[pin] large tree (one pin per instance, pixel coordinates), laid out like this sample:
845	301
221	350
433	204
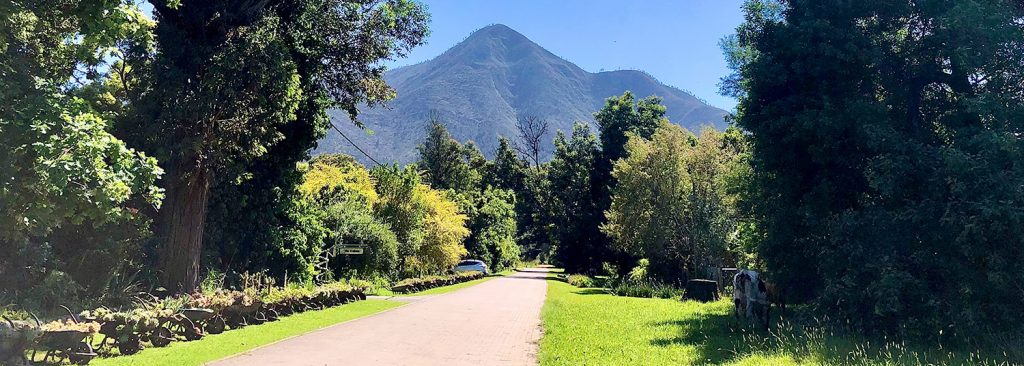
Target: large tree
445	162
511	172
70	192
532	133
887	149
572	188
624	115
228	78
492	225
669	204
620	117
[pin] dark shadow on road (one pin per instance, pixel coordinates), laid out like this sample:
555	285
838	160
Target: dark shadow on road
534	270
523	278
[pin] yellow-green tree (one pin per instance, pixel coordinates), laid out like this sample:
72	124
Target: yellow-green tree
344	196
444	229
325	179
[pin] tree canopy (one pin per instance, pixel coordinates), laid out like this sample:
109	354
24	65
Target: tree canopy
886	149
65	177
669	203
580	244
228	80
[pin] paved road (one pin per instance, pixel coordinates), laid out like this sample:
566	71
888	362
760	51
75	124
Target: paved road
494	323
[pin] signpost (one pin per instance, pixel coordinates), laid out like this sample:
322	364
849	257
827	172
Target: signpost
349	250
323	265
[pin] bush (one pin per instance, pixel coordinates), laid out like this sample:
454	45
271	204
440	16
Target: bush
579	280
158	322
354	223
417	284
645	288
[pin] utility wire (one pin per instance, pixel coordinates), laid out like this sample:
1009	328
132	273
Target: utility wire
353	143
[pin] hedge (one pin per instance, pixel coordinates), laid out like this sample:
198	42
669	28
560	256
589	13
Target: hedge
425	283
159	322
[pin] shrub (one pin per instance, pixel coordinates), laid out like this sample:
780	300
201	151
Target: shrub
353	222
639	272
425	283
579	280
645	288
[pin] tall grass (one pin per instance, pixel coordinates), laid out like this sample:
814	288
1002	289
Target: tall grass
822	342
645	288
631	286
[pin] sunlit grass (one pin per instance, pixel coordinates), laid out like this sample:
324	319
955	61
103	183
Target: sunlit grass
591	327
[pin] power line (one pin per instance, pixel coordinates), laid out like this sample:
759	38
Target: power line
353	143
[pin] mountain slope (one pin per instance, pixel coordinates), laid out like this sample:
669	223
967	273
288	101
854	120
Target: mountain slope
481	85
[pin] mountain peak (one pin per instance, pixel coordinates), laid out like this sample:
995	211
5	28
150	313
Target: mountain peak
497	36
493	45
498	31
482	85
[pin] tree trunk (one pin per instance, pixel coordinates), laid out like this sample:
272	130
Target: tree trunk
184	219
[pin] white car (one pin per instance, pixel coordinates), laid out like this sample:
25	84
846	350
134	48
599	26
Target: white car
471	265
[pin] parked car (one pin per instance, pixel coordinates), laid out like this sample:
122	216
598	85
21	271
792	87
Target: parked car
471	265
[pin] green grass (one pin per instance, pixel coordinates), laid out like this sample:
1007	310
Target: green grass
591	327
215	347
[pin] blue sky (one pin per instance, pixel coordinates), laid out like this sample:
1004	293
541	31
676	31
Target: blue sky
675	41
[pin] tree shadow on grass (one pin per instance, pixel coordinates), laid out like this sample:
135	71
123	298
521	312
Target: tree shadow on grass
591	291
716	338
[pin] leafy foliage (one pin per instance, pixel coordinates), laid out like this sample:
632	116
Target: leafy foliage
445	161
352	223
511	172
71	191
492	228
427	223
444	231
886	156
575	213
229	82
623	116
470	179
578	280
581	181
670	205
399	209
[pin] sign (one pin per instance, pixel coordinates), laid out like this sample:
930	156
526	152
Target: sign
350	251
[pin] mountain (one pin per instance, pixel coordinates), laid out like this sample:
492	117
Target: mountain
481	85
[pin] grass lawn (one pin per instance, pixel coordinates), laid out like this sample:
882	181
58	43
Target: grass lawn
215	347
590	327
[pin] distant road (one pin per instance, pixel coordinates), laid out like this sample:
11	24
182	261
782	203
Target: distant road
494	323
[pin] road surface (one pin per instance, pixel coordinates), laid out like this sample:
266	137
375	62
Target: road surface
494	323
